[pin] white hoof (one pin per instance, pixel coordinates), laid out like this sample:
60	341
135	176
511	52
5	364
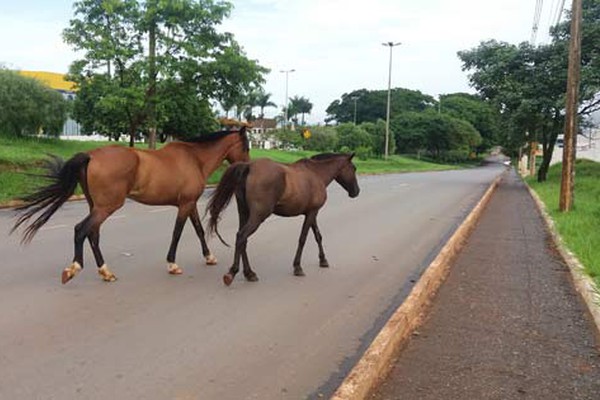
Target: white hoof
174	269
211	260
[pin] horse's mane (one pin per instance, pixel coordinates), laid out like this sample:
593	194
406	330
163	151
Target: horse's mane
210	137
326	156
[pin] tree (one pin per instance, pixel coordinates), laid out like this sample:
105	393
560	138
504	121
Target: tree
299	105
481	114
371	105
27	107
263	101
527	84
377	132
353	137
442	136
130	48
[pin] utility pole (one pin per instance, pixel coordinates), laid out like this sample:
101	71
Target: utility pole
287	74
354	98
387	119
567	183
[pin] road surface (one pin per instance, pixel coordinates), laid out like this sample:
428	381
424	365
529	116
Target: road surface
155	336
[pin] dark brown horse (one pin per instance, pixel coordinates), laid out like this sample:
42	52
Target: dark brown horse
264	187
174	175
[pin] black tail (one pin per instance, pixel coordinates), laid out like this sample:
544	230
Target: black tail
48	199
233	179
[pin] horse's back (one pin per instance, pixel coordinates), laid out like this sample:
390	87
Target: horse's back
289	189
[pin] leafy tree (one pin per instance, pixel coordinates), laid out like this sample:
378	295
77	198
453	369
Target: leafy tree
322	139
482	115
27	107
441	135
371	105
352	137
377	132
130	48
527	84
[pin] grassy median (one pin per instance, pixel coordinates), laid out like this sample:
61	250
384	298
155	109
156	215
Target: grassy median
578	228
20	157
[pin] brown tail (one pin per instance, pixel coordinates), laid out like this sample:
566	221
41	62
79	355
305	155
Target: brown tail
233	179
64	177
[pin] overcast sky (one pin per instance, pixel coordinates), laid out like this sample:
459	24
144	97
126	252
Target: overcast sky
333	45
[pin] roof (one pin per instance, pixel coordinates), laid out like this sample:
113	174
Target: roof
266	123
52	79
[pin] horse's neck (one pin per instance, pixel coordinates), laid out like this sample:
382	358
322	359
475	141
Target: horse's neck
210	155
327	170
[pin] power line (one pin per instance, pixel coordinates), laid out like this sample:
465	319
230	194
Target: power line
560	11
539	4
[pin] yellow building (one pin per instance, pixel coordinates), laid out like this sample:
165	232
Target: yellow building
51	79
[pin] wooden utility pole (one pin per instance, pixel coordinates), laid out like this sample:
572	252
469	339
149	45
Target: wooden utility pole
568	167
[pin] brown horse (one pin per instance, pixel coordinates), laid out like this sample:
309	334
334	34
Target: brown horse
264	187
174	175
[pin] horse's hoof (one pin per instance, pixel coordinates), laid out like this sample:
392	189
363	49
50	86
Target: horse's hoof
324	264
251	278
174	269
211	260
106	275
227	279
299	272
70	272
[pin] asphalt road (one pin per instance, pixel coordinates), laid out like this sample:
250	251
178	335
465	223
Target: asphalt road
155	336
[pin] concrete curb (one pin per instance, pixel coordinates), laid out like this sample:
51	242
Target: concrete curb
17	203
376	362
584	285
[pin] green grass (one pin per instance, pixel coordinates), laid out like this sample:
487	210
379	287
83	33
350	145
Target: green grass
22	156
578	228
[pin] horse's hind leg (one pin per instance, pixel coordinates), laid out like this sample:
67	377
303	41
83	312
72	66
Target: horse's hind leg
308	222
208	256
81	231
88	228
182	216
94	239
248	225
319	238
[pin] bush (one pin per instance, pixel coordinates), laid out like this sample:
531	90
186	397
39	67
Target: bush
27	107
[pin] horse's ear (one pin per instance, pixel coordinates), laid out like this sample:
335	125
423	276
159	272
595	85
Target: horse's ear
351	156
243	130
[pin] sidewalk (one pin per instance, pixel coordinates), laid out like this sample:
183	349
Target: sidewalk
507	323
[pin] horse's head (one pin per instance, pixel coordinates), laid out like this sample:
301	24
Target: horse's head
240	150
346	176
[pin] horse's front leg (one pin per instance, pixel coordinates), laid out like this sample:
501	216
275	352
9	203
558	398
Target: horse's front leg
308	222
208	256
182	215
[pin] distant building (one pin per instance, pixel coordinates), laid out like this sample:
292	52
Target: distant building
259	133
53	80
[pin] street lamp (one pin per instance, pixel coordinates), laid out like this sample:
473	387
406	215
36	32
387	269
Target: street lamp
287	74
354	98
387	120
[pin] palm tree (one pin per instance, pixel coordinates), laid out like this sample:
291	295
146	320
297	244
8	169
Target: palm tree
300	105
263	100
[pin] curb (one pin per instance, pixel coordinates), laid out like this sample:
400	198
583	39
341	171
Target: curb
375	363
584	285
17	203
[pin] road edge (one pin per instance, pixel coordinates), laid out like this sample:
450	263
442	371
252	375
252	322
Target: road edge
583	283
375	363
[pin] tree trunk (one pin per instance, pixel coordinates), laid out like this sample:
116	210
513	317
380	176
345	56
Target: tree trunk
152	88
548	151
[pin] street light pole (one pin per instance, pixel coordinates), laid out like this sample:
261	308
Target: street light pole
387	119
287	73
355	98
